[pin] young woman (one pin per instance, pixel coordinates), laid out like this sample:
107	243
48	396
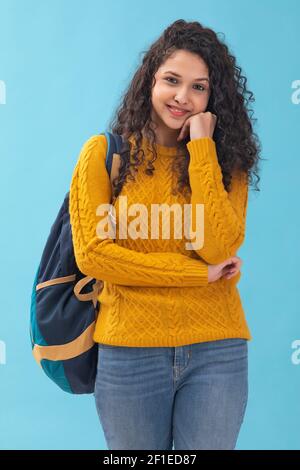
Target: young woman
172	334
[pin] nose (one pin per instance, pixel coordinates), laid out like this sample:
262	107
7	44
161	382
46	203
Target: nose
182	96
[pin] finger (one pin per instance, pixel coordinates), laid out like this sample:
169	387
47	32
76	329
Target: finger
185	128
238	265
238	262
230	274
231	260
180	134
232	265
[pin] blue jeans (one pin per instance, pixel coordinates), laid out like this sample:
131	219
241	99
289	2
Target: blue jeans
193	395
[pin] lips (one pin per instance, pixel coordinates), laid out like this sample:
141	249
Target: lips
174	112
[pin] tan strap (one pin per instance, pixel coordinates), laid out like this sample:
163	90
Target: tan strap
115	167
116	162
57	280
92	295
62	352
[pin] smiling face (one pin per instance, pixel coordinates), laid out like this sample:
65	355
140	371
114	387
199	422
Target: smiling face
184	91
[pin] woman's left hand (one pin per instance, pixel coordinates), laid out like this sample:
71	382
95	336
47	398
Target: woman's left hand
233	269
199	125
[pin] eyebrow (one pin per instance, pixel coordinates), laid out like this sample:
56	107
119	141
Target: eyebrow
196	79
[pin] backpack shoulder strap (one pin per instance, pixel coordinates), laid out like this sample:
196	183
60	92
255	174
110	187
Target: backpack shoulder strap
112	161
114	144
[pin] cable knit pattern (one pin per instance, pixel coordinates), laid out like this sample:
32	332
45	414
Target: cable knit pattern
156	292
224	213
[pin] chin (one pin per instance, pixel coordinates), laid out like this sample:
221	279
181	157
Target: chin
171	124
174	127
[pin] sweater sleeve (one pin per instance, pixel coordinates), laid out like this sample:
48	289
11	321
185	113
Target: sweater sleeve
102	258
224	212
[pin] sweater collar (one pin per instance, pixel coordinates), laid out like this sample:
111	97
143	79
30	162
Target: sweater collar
160	149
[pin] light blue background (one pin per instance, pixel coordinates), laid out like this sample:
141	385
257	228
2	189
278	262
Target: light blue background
65	64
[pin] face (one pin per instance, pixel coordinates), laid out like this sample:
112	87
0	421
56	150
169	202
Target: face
184	91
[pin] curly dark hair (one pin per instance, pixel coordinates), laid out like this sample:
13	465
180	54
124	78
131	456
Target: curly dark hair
237	145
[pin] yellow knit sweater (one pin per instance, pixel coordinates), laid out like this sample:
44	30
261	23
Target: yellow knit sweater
156	291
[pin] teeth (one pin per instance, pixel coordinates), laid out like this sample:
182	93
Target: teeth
178	110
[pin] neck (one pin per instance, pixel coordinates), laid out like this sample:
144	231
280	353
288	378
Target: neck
165	139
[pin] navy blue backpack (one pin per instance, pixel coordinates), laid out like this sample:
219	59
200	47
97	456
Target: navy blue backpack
64	305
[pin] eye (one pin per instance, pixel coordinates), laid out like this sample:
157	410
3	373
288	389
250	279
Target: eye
171	78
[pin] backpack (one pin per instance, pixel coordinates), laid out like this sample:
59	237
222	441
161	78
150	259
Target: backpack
64	305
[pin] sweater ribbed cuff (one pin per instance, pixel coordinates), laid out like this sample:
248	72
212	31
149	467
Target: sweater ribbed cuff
197	274
200	148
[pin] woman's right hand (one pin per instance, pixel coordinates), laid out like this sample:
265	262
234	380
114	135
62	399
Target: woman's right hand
228	269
